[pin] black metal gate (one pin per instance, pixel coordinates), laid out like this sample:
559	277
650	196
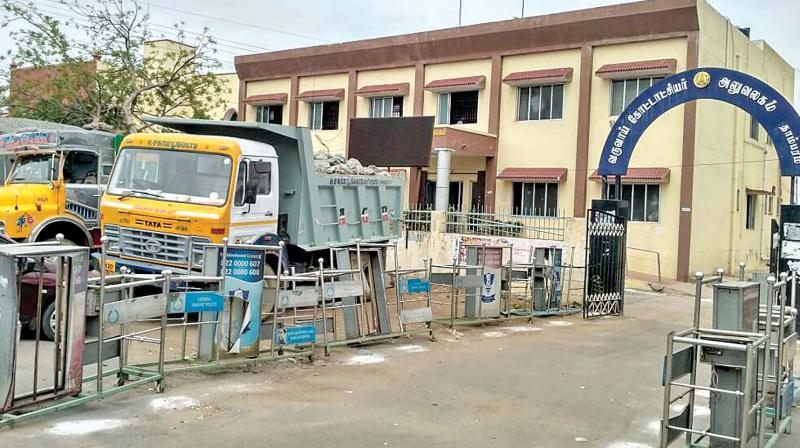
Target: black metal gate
604	284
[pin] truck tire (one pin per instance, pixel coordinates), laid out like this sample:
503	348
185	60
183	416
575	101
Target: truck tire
48	322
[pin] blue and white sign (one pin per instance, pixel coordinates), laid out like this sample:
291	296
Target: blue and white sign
243	280
198	301
415	285
765	104
297	335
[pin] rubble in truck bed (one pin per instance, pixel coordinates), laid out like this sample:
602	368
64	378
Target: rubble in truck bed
327	163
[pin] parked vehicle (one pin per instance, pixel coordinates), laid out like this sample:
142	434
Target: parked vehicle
29	274
254	183
55	184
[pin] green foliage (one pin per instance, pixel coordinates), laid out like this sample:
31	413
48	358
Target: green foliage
105	79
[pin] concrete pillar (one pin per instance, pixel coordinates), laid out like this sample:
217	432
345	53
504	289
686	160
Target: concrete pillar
443	156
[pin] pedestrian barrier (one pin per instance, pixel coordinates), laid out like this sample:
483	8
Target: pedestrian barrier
752	379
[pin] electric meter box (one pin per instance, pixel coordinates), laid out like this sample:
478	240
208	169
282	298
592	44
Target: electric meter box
736	306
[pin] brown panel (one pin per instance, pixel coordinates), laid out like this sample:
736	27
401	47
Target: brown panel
242	115
419	88
563	30
582	142
491	183
464	142
352	85
494	94
394	142
414	183
293	87
687	162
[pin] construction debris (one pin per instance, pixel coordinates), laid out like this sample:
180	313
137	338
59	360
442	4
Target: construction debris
327	163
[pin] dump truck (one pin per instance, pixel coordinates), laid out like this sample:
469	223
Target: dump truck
252	183
55	183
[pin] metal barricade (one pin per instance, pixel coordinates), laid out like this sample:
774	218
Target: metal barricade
750	402
457	278
413	299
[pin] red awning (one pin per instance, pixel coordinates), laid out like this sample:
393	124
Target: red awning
266	99
456	84
539	77
534	174
638	176
321	95
638	69
399	89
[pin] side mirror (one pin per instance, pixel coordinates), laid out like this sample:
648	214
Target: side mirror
250	191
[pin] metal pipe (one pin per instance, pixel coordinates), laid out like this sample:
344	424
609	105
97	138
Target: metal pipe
38	327
57	336
705	343
698	293
764	360
779	366
741	271
163	336
321	262
664	439
746	399
277	301
443	156
101	312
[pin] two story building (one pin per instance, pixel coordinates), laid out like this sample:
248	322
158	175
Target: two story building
526	105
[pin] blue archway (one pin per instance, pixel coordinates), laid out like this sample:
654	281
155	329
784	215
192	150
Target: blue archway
752	95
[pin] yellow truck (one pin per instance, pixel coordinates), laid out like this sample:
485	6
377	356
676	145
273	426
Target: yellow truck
253	183
54	184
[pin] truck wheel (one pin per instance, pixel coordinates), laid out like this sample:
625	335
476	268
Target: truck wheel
48	322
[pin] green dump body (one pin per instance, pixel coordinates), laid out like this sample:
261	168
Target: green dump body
315	210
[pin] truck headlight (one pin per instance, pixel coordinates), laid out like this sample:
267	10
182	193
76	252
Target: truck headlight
112	233
197	251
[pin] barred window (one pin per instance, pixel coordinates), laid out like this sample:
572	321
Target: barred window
535	199
643	199
386	107
458	107
540	102
323	115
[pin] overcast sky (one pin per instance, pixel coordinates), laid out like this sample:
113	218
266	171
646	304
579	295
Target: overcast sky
252	26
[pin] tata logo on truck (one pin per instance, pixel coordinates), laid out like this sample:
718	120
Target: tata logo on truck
150	223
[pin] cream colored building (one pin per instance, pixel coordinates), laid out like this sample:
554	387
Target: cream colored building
527	104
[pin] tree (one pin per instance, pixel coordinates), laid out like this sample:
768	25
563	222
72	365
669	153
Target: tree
95	66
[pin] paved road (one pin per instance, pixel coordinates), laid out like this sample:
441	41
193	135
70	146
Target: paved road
557	383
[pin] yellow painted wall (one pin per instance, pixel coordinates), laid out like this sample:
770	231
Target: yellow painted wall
331	140
458	70
539	143
386	76
230	96
660	146
265	87
727	160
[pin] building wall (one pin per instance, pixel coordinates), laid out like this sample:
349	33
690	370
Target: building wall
728	161
386	76
660	146
264	87
539	143
725	162
333	140
459	70
230	96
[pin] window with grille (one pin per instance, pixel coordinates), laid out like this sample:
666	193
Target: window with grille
270	114
623	91
458	107
323	115
535	199
643	200
540	102
386	107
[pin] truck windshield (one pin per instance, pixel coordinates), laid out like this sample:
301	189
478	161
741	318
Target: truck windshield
167	175
38	169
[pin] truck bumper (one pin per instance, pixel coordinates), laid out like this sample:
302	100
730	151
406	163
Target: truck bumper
138	267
